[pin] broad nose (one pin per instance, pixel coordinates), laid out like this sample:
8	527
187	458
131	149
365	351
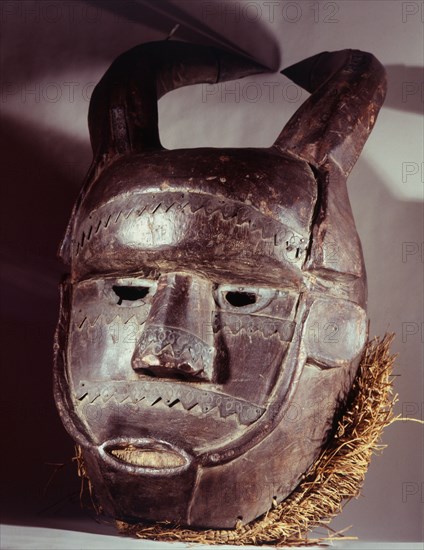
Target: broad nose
177	340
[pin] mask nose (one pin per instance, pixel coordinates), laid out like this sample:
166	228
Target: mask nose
177	340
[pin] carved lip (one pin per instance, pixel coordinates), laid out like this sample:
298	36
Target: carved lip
144	456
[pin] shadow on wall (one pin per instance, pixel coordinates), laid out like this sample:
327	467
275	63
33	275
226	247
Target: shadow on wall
100	31
35	206
195	20
385	223
405	88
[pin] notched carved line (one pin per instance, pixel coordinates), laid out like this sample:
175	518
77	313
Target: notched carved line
101	318
138	212
155	209
225	406
258	332
82	323
212	207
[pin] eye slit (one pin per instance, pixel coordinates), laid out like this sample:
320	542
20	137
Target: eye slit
130	293
240	299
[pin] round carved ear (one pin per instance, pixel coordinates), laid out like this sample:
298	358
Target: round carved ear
123	115
348	88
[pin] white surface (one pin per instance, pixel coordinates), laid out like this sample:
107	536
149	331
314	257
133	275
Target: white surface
38	538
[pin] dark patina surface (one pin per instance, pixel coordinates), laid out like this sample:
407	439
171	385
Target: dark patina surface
214	314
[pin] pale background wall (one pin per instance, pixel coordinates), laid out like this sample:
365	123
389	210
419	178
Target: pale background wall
52	52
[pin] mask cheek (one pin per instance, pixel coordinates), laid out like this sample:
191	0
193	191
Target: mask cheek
253	357
101	348
335	333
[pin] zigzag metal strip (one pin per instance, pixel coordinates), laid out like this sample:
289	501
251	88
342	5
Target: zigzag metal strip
147	394
112	213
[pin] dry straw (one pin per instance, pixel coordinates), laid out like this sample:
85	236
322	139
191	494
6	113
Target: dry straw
335	477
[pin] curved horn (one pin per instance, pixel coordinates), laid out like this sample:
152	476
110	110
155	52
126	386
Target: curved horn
348	88
123	115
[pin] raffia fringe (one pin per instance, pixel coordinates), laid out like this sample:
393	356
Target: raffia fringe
335	477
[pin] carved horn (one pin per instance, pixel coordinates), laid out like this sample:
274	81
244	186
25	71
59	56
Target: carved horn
348	89
123	115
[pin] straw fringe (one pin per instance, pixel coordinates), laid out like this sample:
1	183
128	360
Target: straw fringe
335	477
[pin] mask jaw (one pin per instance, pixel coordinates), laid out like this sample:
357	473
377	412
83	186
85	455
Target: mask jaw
252	481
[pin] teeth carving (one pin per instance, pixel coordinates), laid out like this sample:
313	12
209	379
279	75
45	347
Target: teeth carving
160	460
150	394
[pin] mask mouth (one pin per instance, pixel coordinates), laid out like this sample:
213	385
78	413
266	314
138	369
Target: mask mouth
147	458
144	456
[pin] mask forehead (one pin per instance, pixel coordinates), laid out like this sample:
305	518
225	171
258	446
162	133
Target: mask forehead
233	211
172	231
280	186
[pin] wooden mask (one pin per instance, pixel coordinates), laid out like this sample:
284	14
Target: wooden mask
214	315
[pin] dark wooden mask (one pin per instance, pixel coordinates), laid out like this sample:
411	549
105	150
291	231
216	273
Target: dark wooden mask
214	315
